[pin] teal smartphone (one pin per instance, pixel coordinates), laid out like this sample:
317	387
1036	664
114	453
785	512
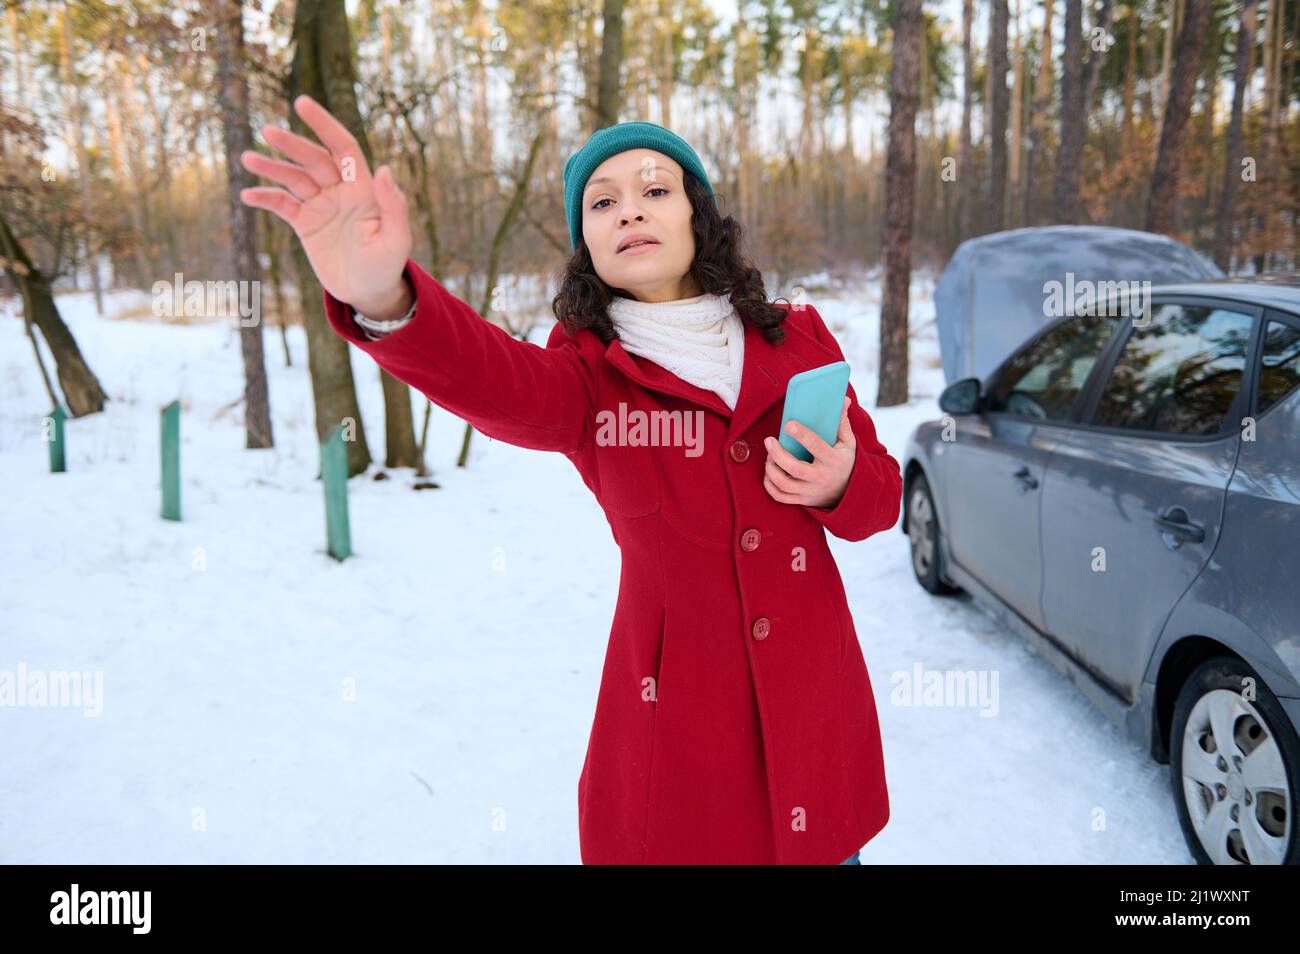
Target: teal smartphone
815	398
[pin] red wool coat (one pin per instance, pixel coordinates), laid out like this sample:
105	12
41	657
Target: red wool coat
735	722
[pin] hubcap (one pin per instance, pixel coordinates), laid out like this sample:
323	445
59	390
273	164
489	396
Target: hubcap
920	530
1234	782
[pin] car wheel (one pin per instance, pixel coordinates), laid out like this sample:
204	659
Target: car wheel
923	532
1233	763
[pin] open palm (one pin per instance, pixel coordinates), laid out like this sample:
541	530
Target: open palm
354	227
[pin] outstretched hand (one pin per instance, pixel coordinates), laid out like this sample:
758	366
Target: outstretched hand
820	482
354	227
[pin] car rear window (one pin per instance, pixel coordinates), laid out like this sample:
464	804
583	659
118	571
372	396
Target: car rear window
1279	372
1179	373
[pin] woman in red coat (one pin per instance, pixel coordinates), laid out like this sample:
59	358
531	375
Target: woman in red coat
735	722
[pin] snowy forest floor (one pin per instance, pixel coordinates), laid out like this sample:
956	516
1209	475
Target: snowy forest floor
430	699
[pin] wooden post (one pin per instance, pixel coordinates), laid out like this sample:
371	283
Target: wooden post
334	475
171	461
58	449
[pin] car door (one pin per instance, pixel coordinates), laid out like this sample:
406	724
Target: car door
1133	509
1259	546
996	464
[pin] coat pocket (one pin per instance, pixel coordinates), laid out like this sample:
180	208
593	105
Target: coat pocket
629	479
846	633
835	598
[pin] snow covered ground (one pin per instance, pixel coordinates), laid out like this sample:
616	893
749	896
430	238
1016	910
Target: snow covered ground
429	699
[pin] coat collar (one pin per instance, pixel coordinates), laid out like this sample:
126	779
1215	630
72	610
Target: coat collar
766	369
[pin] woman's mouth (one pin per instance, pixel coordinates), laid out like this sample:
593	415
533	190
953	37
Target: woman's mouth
637	248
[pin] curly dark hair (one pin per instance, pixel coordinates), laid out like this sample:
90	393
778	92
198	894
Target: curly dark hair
720	268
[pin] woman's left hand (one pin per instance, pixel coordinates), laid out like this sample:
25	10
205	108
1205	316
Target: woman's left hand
817	483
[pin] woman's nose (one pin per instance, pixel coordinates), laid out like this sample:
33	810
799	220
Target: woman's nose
639	217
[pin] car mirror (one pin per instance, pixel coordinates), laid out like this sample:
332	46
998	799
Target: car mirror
961	397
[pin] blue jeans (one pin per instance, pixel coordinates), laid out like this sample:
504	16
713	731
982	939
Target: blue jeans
852	859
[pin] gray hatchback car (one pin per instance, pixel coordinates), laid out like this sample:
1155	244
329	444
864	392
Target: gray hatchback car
1125	493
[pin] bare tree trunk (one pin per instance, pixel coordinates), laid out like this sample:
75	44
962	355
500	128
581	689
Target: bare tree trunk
1204	220
30	329
419	161
1130	74
1095	55
231	70
322	69
1069	205
900	189
666	64
1271	11
485	191
608	94
81	389
639	71
1166	59
1271	158
1150	99
128	175
743	83
821	175
270	239
995	215
386	38
1017	100
806	70
162	162
987	104
848	180
1288	81
504	228
77	137
1044	84
135	158
20	68
966	200
1164	181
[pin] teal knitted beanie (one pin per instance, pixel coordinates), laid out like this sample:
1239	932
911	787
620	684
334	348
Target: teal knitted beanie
609	142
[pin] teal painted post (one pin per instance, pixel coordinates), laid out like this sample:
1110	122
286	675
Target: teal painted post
171	461
58	449
334	475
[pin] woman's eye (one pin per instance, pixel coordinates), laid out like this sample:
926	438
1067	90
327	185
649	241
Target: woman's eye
596	205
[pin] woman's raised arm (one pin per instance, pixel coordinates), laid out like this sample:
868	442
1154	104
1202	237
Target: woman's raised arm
355	231
511	390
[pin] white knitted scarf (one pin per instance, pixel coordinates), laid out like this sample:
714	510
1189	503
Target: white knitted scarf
700	339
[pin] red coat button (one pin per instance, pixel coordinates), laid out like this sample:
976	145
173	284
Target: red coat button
750	539
761	627
740	452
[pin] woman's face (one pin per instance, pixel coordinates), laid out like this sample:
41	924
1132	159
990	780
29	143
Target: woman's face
640	192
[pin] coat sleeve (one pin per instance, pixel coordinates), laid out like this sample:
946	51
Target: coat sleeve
511	390
875	489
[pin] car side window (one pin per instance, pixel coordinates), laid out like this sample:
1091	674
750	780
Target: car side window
1279	372
1043	380
1179	372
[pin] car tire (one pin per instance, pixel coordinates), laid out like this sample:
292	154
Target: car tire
924	535
1215	796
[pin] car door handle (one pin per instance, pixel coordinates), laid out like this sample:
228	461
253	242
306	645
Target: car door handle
1027	480
1175	521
